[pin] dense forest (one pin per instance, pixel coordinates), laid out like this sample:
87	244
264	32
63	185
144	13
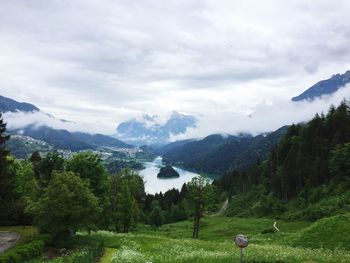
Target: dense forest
306	175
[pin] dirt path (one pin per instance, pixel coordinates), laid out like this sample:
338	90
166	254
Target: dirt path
222	209
8	240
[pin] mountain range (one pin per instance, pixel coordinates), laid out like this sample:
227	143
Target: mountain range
149	130
197	154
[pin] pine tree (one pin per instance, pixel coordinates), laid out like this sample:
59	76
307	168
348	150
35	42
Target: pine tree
3	151
7	182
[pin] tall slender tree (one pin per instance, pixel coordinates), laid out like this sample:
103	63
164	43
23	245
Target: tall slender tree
7	182
3	151
201	193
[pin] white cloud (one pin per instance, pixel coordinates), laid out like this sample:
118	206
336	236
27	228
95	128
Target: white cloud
264	117
18	120
101	62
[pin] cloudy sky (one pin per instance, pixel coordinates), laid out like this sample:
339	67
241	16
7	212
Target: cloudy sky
102	62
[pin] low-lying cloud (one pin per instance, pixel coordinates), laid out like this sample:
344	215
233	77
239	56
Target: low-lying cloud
18	120
265	117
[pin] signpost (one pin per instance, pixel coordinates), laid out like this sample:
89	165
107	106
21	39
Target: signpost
241	241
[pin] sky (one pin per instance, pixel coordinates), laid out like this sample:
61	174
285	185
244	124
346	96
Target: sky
98	63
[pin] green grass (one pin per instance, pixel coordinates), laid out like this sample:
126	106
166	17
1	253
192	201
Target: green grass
223	229
108	255
332	233
142	248
27	233
172	243
327	240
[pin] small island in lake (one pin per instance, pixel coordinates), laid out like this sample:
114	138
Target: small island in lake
168	172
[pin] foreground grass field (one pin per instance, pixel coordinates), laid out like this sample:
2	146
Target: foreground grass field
327	240
324	241
141	248
223	229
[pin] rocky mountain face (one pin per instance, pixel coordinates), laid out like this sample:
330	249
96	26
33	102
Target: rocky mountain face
149	130
325	87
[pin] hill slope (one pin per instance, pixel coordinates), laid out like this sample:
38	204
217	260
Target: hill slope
59	138
171	243
101	140
216	154
7	104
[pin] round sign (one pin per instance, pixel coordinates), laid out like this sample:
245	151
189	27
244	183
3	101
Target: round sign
241	241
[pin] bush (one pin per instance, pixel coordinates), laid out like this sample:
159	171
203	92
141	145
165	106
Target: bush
268	231
86	255
23	253
46	238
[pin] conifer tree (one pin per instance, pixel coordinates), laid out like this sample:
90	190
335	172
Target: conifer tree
7	182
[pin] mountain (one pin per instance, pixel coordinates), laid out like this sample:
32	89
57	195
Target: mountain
149	130
101	140
73	141
216	154
57	138
325	87
22	146
171	146
7	104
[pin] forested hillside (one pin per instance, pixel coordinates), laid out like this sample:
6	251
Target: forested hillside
305	176
217	154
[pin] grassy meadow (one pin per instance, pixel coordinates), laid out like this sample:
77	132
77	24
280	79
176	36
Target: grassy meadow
326	240
172	243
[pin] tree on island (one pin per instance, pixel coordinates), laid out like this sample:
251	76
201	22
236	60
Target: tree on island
168	172
200	193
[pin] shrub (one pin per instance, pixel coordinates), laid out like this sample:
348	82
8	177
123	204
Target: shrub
23	253
86	255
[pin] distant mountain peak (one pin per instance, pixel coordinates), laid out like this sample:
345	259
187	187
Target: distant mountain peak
324	87
149	129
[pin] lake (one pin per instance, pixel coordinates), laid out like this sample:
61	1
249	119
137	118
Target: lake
155	185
